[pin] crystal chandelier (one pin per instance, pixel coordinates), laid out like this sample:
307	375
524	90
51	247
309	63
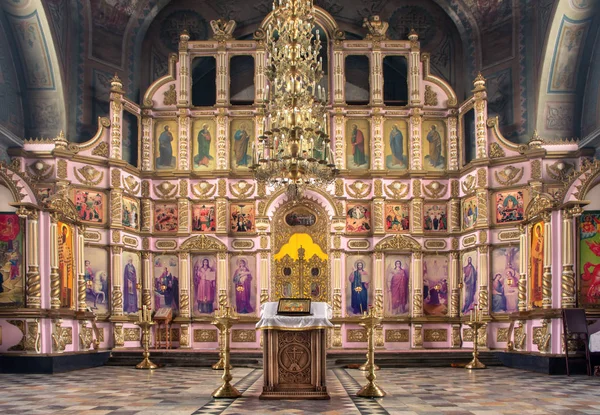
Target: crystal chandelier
294	150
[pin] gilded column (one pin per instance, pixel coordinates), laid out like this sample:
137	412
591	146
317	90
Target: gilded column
146	208
415	139
117	281
376	75
184	139
33	290
336	279
547	275
183	205
523	255
480	95
454	206
221	206
414	62
184	70
264	276
417	283
147	151
260	79
455	341
378	147
482	199
116	199
147	279
222	144
453	141
119	335
378	216
116	117
416	210
222	277
184	284
568	298
54	277
379	283
338	74
222	75
483	279
81	305
340	142
455	281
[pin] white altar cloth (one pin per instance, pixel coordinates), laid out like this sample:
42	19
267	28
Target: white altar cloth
594	330
269	320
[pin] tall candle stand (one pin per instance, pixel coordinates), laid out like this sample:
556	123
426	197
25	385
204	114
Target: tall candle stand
367	365
226	390
371	390
475	323
220	364
145	323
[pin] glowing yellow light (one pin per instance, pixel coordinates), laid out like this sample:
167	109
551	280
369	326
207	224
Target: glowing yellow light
294	243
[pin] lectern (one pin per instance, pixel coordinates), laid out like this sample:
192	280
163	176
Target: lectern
294	353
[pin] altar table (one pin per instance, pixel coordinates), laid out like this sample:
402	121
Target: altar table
294	353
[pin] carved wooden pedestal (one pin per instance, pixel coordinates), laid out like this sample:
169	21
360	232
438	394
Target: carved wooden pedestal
294	364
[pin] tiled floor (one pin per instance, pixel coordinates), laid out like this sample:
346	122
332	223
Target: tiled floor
171	390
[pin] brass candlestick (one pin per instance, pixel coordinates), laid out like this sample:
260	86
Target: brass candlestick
220	364
145	323
475	324
367	365
370	321
226	390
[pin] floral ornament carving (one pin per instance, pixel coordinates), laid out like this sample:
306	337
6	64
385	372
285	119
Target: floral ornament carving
241	189
61	169
468	185
509	175
481	177
115	178
358	189
417	188
376	27
88	175
398	243
339	187
560	170
101	150
131	185
202	243
183	188
60	204
165	190
222	29
431	98
536	170
539	204
203	190
40	171
145	188
435	190
496	151
170	96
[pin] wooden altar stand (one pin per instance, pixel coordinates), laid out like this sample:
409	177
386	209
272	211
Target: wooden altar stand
294	353
163	317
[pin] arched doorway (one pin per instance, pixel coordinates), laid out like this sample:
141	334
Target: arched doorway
300	264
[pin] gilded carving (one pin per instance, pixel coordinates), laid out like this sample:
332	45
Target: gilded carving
482	237
378	188
202	243
337	336
243	335
116	236
356	335
166	190
88	175
131	185
510	235
242	244
184	338
222	189
538	205
264	242
455	340
397	190
170	96
204	190
496	151
454	188
242	189
520	336
468	185
397	336
398	243
115	178
358	189
92	236
205	336
418	336
467	335
502	335
101	150
61	169
166	244
128	240
435	335
60	336
536	170
358	244
469	240
509	175
481	177
417	187
430	96
435	244
560	170
454	244
145	188
118	335
434	190
40	171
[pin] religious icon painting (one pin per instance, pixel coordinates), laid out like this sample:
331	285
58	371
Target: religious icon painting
44	192
132	282
397	217
395	133
589	259
131	213
359	290
433	145
435	217
358	141
469	278
396	295
358	218
436	291
242	217
505	279
469	210
165	284
91	205
166	147
242	290
536	264
242	143
12	264
204	217
509	206
165	217
97	279
204	281
66	264
204	150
